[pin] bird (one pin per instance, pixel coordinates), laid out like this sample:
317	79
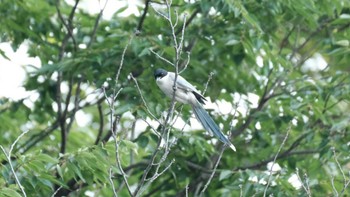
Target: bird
186	93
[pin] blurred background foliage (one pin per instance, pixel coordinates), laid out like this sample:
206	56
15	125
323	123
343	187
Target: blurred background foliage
281	68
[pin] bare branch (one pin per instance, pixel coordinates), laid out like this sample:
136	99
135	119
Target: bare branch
193	15
142	19
160	57
97	21
68	25
8	157
111	181
56	191
284	154
165	126
275	158
143	99
346	181
101	123
213	173
186	190
305	186
119	165
209	79
114	122
76	105
338	164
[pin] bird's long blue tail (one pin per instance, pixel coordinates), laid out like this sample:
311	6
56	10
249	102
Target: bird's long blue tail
209	124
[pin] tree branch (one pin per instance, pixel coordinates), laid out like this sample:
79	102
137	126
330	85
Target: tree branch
8	157
97	21
143	17
101	123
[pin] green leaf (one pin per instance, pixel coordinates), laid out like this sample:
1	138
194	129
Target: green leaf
143	141
9	192
129	144
225	174
76	170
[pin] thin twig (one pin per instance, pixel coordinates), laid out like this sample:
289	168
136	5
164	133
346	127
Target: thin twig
209	79
186	63
119	165
8	157
275	158
123	55
142	19
97	21
76	104
157	174
111	181
143	99
346	181
165	126
114	123
305	187
69	25
189	20
338	164
160	57
56	191
186	190
101	123
240	190
153	129
213	173
346	184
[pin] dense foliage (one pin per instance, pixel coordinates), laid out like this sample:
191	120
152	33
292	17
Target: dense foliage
278	71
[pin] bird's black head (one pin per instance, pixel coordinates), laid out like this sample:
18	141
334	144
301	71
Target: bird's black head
160	73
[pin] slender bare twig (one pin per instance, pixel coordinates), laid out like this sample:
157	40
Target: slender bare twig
113	131
158	12
68	25
111	101
76	104
305	186
346	181
213	173
186	190
189	20
119	165
157	174
165	126
333	186
338	164
209	79
286	153
186	63
8	157
153	129
241	190
143	99
142	19
101	123
56	191
161	57
146	171
346	184
97	21
110	177
275	158
222	149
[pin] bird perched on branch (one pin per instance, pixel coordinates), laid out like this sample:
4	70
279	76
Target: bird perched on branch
188	94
